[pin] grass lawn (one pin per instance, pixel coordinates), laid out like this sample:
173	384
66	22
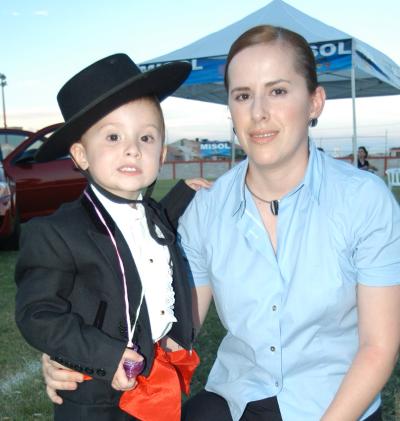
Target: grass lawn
22	394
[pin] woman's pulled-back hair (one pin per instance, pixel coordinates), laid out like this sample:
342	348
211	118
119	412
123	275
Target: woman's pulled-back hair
265	34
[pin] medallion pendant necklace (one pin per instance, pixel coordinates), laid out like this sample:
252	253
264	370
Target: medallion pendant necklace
273	204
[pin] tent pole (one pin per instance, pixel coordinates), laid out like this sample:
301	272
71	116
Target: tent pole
353	99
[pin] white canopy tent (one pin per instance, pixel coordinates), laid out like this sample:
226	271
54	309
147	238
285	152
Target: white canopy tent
347	67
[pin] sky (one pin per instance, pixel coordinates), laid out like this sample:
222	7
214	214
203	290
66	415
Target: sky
45	42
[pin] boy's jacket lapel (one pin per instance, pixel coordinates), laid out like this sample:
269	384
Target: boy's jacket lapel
102	241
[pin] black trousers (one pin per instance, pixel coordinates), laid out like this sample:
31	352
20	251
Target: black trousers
208	406
69	411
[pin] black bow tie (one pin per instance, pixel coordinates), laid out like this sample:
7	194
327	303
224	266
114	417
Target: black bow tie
155	213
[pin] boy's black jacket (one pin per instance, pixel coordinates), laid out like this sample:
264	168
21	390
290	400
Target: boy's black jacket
70	300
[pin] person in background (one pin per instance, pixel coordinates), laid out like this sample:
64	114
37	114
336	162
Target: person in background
362	162
102	287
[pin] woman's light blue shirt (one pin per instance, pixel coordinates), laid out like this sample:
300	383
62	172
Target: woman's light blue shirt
291	317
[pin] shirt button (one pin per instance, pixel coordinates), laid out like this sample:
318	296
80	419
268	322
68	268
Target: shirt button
274	308
272	348
151	260
162	312
276	384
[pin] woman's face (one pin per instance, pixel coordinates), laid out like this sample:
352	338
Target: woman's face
361	153
270	105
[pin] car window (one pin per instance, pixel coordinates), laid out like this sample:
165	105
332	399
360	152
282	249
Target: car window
9	141
33	147
45	138
28	154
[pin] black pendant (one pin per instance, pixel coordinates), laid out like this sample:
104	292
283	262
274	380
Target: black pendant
275	207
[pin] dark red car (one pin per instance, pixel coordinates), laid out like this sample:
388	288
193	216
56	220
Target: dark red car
36	189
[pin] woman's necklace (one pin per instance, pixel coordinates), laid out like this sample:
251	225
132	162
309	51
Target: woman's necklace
273	204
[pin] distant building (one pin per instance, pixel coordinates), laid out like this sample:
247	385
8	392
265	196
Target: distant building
395	151
183	150
202	149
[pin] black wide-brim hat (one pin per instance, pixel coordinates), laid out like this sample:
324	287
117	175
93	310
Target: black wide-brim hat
102	87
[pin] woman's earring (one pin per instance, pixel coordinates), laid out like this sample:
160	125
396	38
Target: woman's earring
313	122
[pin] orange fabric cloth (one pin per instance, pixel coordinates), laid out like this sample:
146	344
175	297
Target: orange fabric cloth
160	392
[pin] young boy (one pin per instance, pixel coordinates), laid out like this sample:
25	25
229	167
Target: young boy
101	280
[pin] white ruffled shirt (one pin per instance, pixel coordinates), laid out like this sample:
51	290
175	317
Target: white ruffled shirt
152	260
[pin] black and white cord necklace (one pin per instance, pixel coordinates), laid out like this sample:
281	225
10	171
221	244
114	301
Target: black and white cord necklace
273	204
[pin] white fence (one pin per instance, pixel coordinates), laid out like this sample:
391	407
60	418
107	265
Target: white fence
213	169
339	146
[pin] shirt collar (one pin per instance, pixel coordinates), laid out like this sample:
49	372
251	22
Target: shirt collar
315	171
120	208
239	188
312	180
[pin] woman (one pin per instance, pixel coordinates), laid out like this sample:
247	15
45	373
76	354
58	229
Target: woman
299	251
362	162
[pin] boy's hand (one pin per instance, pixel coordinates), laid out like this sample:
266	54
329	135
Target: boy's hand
56	376
198	183
120	381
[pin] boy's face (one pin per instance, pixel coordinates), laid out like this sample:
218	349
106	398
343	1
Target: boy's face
123	151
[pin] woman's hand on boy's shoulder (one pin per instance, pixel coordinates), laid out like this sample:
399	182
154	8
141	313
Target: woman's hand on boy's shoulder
120	380
198	183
